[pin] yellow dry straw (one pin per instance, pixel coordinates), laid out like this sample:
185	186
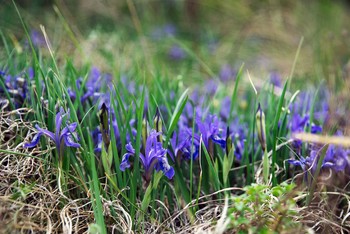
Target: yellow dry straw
319	139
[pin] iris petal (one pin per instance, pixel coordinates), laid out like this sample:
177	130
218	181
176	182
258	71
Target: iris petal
34	141
130	148
46	133
69	141
164	166
125	162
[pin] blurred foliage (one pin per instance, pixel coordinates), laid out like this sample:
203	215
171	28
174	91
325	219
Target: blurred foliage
264	35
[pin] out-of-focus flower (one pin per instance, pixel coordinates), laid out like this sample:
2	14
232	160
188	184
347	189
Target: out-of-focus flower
227	73
210	87
64	137
276	79
177	53
153	158
168	30
336	158
17	86
93	85
37	38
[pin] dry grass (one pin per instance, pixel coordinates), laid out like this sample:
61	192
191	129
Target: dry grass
30	200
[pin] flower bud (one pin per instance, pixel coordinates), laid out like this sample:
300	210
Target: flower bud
144	132
260	125
158	124
104	127
228	141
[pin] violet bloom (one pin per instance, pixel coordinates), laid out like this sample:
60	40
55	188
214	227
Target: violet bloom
298	123
177	53
61	138
237	133
168	30
225	108
37	38
154	157
187	145
210	87
72	94
16	87
336	158
93	85
209	129
177	144
227	73
276	79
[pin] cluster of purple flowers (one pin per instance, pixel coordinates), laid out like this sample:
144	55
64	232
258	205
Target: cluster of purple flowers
207	128
196	126
335	158
16	86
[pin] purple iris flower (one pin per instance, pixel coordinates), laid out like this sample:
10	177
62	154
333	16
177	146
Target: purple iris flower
167	30
299	162
37	38
336	158
238	132
187	144
97	139
154	157
225	108
93	85
17	87
276	79
298	123
227	73
177	53
239	141
210	87
177	144
209	128
129	84
64	137
72	94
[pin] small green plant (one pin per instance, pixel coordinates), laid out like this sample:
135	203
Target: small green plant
261	209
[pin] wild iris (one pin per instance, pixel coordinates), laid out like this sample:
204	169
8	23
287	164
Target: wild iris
154	157
61	138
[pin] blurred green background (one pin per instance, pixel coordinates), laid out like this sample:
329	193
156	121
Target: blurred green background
264	35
